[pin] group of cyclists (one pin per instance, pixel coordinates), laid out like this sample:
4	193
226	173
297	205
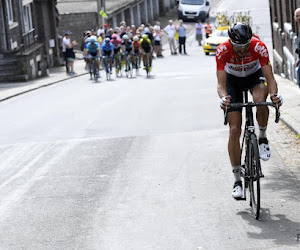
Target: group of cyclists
117	46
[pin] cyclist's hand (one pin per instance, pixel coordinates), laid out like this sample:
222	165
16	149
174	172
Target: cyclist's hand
277	98
225	101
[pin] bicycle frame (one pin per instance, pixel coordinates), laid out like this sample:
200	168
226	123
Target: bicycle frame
251	169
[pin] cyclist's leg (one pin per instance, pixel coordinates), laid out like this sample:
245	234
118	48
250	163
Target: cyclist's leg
110	61
132	59
150	61
98	65
144	58
89	63
260	93
235	123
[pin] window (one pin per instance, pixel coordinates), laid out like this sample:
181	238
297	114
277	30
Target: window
28	25
9	8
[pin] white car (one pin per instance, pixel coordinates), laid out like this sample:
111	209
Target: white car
193	10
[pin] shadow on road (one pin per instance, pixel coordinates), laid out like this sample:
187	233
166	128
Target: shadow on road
276	227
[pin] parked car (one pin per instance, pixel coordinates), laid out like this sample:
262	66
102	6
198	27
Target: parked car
193	10
218	36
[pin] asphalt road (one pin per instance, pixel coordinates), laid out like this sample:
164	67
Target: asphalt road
133	164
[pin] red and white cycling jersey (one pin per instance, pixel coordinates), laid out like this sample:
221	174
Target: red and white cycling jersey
256	56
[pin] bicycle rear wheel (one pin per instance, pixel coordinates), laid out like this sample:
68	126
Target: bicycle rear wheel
248	20
107	69
127	67
255	172
117	67
95	72
232	20
147	66
137	65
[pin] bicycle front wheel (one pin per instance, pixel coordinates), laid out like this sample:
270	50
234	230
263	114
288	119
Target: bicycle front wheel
255	171
127	67
137	65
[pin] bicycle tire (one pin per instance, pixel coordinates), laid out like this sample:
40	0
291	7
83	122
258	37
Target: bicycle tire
239	19
254	181
130	68
95	71
117	67
147	66
127	67
248	20
232	20
107	69
137	65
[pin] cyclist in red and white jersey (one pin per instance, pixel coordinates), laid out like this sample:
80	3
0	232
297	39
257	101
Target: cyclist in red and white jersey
241	62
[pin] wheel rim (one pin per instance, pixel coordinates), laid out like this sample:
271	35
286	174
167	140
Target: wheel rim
254	184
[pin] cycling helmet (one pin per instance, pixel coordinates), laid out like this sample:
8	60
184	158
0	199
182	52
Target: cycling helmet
92	40
125	37
107	40
135	38
144	36
240	33
114	36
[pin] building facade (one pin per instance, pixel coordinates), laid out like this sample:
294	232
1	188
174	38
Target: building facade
28	39
131	11
285	32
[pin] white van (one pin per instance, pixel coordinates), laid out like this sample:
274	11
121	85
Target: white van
193	10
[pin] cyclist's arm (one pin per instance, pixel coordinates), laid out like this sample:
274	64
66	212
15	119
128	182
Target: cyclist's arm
268	74
221	75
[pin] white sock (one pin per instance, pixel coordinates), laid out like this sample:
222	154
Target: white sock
236	170
262	132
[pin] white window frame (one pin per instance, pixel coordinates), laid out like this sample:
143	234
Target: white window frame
10	14
28	24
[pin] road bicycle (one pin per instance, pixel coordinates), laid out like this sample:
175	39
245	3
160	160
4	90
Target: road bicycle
247	18
221	19
128	66
118	64
236	17
107	67
251	169
94	72
136	62
147	64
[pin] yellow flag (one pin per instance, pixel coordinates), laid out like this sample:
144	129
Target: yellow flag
103	14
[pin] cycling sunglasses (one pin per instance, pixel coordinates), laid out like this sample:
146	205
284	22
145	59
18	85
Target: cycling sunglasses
239	46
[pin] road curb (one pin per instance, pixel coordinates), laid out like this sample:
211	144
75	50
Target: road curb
39	87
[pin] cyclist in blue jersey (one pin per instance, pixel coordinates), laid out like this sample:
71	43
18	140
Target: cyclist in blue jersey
107	49
93	53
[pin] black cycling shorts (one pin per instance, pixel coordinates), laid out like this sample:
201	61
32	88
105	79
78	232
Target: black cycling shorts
107	52
236	85
156	43
147	50
116	51
94	54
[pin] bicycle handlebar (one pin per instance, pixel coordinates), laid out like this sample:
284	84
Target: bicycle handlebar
252	104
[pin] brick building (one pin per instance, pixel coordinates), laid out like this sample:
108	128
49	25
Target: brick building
284	33
28	39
